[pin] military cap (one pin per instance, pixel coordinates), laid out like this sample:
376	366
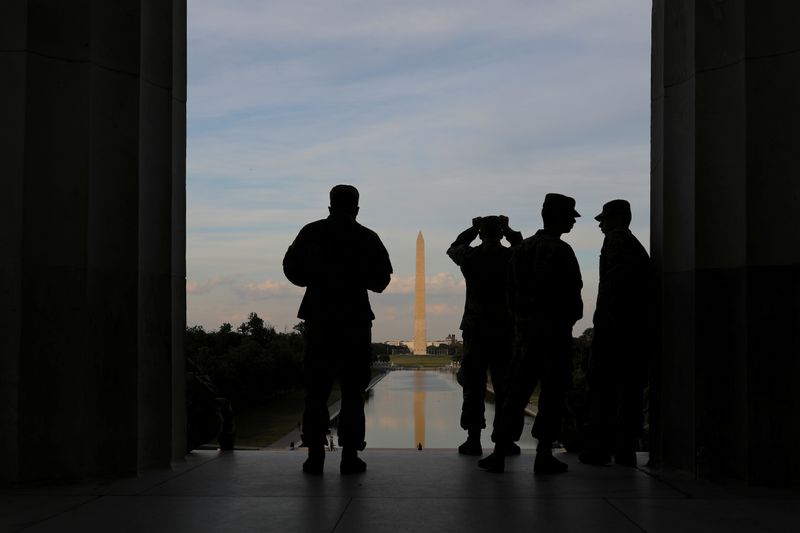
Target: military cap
618	208
558	203
345	196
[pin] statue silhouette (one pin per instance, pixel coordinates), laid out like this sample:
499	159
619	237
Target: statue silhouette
338	260
545	297
618	363
486	323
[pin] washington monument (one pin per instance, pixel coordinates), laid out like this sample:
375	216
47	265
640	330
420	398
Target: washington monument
420	329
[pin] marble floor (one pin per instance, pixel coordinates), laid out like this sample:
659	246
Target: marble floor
402	490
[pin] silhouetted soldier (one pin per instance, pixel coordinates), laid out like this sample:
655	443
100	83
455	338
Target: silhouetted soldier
486	322
337	260
545	296
618	365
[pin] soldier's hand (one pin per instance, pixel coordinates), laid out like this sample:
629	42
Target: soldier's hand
476	222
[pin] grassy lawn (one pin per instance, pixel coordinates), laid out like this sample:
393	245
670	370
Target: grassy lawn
422	361
264	424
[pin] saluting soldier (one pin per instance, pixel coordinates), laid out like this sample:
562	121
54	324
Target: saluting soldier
618	362
338	260
545	296
486	323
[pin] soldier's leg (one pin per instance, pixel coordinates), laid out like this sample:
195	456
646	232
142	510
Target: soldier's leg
499	367
603	395
509	421
319	372
630	420
473	383
354	378
556	362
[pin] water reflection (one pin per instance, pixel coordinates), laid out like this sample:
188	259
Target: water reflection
422	406
419	409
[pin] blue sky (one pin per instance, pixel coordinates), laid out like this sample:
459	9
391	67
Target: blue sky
436	111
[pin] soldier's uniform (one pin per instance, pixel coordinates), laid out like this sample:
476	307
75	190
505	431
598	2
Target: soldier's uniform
545	293
486	323
545	297
618	364
337	260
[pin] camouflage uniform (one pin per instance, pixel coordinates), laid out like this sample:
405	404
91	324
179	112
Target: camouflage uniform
337	260
486	323
617	367
545	296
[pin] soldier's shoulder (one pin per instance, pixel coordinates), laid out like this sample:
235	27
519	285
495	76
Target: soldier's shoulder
367	234
528	242
313	228
321	223
365	230
524	246
621	238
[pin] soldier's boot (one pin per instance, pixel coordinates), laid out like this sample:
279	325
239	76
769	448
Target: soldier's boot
351	463
545	463
510	448
472	446
513	449
495	462
315	463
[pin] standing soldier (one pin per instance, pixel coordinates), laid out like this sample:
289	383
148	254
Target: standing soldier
617	369
545	297
486	323
337	260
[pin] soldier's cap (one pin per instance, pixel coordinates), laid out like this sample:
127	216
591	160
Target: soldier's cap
491	222
615	208
558	203
344	196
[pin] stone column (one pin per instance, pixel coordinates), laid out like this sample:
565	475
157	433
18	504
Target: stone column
725	198
92	276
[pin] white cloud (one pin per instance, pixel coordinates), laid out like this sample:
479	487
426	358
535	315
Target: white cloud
202	287
439	283
268	288
448	310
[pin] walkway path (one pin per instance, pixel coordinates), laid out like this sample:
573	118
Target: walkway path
434	491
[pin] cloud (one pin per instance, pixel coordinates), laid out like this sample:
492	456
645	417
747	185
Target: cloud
203	287
410	22
267	288
445	310
439	283
400	285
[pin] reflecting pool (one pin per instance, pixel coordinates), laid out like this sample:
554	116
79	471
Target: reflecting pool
408	407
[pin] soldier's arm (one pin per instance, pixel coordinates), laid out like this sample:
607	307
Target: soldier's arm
521	281
577	286
298	263
379	272
626	274
512	236
460	247
620	259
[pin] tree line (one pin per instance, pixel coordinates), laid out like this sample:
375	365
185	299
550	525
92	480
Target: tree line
249	364
252	363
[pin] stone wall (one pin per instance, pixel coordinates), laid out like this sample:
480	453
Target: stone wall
92	228
725	216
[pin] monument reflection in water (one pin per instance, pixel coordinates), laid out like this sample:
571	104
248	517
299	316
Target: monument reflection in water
411	407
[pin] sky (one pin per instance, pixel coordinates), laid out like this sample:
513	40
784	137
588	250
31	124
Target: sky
437	111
